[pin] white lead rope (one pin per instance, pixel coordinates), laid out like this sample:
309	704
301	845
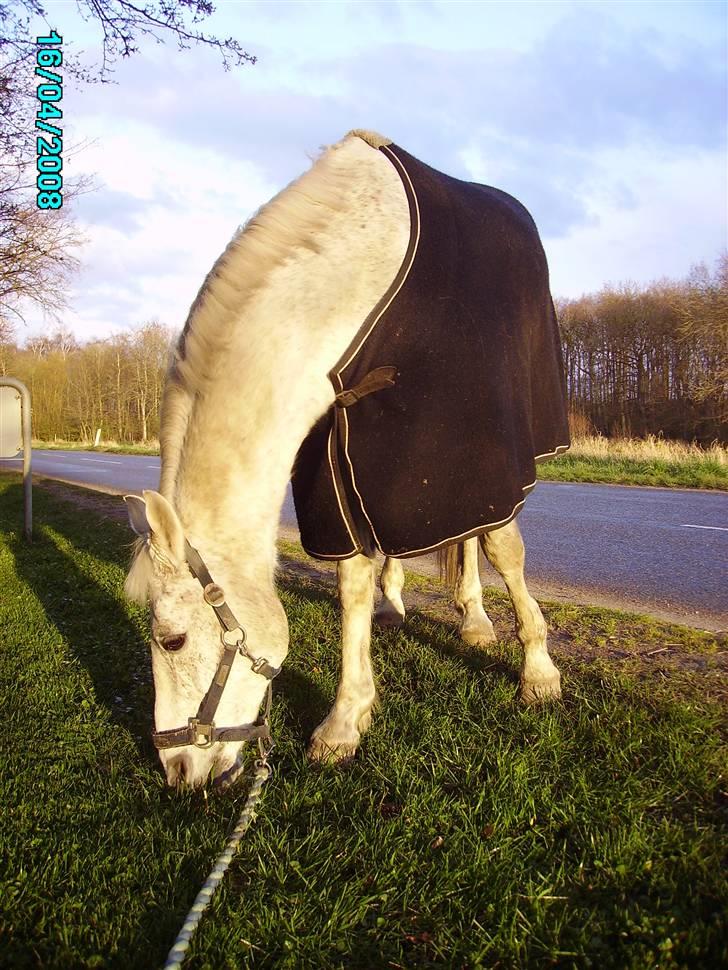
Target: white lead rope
177	954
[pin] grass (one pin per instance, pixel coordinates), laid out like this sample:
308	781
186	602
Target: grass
113	447
469	832
592	458
633	461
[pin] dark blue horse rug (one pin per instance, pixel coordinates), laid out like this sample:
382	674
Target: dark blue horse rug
451	390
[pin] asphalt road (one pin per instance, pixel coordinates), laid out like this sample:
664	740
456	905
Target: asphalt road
654	550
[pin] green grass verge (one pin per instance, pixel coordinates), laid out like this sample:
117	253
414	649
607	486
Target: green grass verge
686	473
468	832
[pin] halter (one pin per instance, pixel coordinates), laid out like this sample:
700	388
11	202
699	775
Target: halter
201	731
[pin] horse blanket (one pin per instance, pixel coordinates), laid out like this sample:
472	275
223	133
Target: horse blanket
451	390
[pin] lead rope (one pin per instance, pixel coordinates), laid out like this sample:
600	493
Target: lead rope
177	954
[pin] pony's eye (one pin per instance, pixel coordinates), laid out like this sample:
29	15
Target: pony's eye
175	642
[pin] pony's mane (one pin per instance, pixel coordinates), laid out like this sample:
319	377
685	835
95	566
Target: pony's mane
285	226
290	224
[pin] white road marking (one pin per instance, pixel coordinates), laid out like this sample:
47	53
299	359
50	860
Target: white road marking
104	461
717	528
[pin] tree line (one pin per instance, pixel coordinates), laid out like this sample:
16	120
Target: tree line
651	359
113	384
638	360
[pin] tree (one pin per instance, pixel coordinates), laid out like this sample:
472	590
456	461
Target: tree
36	251
37	247
150	354
703	314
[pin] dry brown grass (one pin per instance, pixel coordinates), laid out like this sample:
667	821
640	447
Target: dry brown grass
647	449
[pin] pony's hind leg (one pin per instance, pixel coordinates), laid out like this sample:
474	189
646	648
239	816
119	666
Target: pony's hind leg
390	611
540	679
475	626
337	737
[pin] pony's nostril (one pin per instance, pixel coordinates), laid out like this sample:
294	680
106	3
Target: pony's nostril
182	768
179	770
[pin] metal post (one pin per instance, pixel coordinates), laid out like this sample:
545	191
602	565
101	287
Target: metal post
27	451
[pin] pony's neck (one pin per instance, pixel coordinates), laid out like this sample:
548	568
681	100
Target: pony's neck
259	383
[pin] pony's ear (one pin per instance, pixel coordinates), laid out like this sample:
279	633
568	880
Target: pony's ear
154	518
137	512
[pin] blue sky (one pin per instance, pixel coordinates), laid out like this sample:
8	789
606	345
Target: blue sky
607	119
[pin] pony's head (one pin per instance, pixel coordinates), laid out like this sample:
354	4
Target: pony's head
189	642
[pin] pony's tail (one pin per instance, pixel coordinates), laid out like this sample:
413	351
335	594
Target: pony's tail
450	564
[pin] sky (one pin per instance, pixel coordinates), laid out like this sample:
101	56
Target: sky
606	119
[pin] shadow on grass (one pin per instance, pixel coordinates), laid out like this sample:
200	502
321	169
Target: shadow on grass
96	628
437	636
448	645
306	704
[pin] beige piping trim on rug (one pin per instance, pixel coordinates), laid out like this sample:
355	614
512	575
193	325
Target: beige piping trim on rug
354	541
560	449
393	294
355	544
403	174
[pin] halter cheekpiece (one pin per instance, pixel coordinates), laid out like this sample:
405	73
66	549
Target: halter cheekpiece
201	730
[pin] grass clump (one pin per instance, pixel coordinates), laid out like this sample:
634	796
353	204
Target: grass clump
469	832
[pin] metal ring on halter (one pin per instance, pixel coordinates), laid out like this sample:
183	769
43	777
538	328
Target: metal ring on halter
238	633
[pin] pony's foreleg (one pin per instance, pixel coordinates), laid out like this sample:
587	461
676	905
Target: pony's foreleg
540	679
337	737
475	626
390	611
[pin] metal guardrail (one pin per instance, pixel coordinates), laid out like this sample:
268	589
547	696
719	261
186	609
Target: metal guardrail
23	433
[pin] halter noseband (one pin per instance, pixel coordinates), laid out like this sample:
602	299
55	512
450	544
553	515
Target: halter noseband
201	730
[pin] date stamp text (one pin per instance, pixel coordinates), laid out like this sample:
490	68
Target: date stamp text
49	146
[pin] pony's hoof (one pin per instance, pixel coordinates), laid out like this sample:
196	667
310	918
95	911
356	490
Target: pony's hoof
388	617
540	691
478	637
333	753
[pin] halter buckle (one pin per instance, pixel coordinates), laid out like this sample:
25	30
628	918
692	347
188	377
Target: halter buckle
259	665
198	730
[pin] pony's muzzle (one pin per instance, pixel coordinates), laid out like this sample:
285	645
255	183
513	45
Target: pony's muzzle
191	767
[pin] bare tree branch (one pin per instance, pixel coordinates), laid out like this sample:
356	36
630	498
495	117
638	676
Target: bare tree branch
36	247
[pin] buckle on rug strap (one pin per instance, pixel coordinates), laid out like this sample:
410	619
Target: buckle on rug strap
375	380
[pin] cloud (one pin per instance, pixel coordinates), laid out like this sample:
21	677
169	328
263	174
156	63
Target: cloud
668	225
538	116
167	212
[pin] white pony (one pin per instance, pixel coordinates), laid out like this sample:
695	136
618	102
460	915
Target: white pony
247	383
